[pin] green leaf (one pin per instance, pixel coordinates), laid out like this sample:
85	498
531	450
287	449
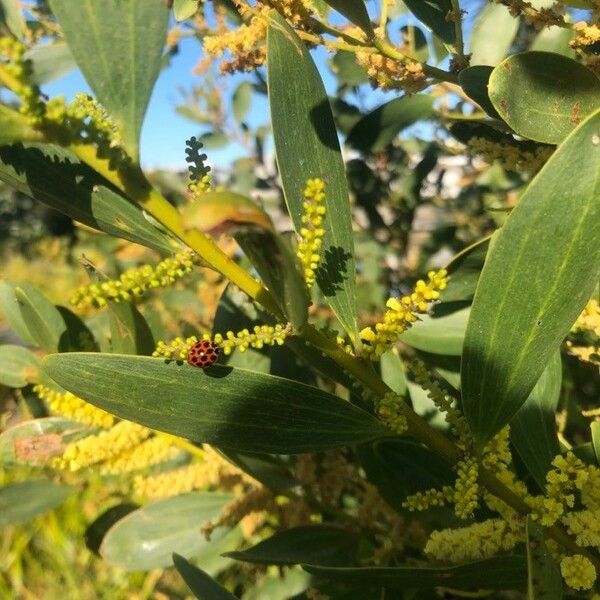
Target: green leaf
214	140
346	69
18	366
299	104
595	432
9	307
184	9
15	128
543	96
533	428
241	101
56	178
543	573
280	271
11	12
392	372
35	442
464	271
118	46
21	502
44	321
129	331
554	39
275	586
223	406
200	583
146	538
441	335
355	11
540	271
499	573
50	62
313	544
474	81
492	35
416	42
378	129
432	13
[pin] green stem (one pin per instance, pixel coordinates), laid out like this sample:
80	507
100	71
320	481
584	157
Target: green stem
458	33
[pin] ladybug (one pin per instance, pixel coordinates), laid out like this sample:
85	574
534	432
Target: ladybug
202	354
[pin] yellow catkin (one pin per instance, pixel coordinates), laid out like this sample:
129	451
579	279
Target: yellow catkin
151	452
135	282
390	410
466	488
512	157
401	314
429	498
312	231
387	73
107	445
70	406
585	35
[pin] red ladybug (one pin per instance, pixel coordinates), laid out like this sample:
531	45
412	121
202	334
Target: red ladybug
202	354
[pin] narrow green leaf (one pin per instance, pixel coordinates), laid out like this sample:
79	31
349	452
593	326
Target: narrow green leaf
464	271
355	11
129	331
595	432
56	178
50	62
99	527
299	104
118	45
492	35
44	321
378	129
433	13
35	442
474	81
15	128
347	71
18	366
227	407
11	12
392	372
499	573
440	335
146	538
313	544
9	307
533	428
200	583
543	96
241	101
544	581
184	9
540	271
214	140
21	502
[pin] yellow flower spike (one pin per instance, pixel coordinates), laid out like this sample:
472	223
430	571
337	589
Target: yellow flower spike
585	526
70	406
136	282
429	498
578	572
95	449
151	452
390	410
466	488
200	180
401	314
312	234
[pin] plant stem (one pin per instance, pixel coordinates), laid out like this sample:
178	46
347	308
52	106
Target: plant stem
458	33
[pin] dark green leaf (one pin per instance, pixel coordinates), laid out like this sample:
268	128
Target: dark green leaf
544	581
541	269
118	45
200	583
35	442
184	9
543	96
129	331
147	537
595	431
492	35
21	502
44	321
18	366
313	544
441	335
464	271
377	130
241	101
433	13
499	573
474	81
300	105
55	177
227	407
50	62
355	11
533	428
